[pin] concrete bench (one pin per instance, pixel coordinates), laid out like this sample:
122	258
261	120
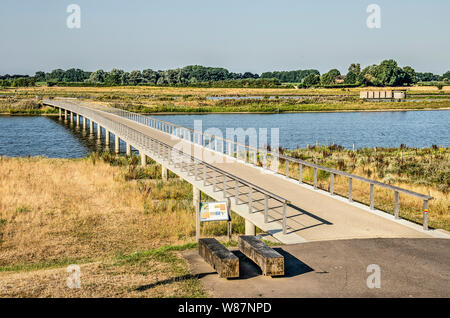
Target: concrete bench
219	257
270	261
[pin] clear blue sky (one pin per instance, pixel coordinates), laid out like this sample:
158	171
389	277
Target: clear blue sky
244	35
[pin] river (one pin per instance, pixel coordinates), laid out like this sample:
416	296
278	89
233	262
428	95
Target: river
35	136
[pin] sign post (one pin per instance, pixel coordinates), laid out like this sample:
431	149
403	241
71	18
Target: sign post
210	212
197	221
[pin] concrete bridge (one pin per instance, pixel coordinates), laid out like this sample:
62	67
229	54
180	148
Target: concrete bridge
280	204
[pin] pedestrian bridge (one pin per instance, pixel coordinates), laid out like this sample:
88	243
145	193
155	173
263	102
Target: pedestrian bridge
280	204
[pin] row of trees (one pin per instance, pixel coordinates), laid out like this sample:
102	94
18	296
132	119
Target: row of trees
289	76
430	77
186	75
14	81
387	73
59	75
180	76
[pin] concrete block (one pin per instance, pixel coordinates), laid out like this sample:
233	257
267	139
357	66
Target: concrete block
270	261
219	257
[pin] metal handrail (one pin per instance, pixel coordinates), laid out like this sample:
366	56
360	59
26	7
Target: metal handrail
144	141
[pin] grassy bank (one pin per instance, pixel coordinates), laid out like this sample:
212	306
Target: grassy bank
425	171
122	225
197	100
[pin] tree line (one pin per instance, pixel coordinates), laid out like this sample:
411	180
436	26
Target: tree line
387	73
17	81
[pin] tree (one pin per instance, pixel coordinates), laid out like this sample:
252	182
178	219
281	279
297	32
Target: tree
135	78
426	77
410	75
353	74
329	77
150	76
98	76
56	75
125	78
311	80
355	68
446	75
289	76
388	73
114	77
40	76
75	75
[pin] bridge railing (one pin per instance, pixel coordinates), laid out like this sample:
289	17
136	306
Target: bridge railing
177	156
261	157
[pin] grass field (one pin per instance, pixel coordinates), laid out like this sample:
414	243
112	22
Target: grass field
423	170
171	99
116	220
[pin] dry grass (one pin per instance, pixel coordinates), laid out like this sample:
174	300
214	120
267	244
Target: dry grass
425	171
57	209
56	212
145	99
150	278
180	91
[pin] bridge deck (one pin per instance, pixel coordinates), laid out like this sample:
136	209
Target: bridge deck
312	215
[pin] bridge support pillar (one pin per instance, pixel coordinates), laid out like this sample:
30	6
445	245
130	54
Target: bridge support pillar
250	228
60	114
99	131
196	196
163	173
91	126
116	144
78	119
143	159
65	115
84	123
128	149
107	138
71	117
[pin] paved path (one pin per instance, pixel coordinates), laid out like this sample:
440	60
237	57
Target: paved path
409	268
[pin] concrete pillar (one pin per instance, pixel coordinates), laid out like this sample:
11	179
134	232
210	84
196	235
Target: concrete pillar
196	196
99	131
107	138
143	158
78	119
116	144
71	117
163	173
65	115
91	126
60	113
84	123
250	228
128	149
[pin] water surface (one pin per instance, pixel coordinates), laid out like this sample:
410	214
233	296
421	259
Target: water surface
35	136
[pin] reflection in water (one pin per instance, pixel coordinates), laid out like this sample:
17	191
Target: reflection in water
22	136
